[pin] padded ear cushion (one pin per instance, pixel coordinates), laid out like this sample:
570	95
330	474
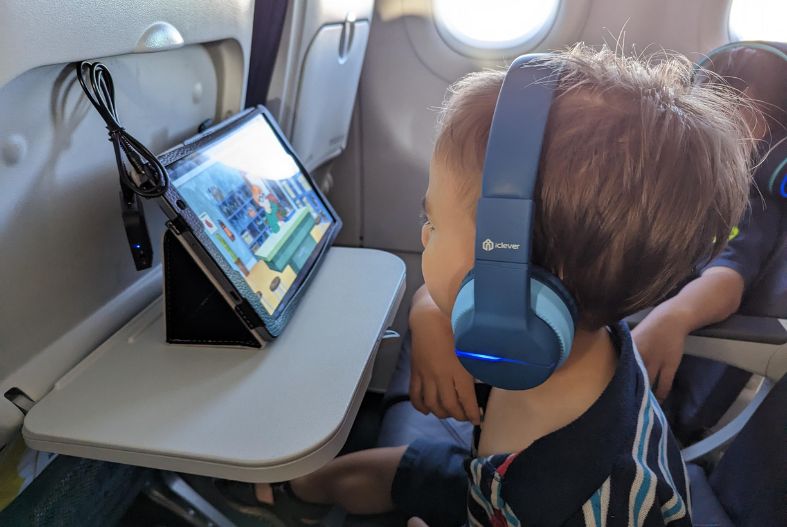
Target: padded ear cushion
470	276
551	302
462	312
554	283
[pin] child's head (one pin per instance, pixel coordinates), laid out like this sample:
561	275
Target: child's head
642	176
760	74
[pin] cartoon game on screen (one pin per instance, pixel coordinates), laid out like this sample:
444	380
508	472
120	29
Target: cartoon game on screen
265	226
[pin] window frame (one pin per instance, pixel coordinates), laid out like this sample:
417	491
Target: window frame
512	48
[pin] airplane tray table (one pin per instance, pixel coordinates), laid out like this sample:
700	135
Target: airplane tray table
238	413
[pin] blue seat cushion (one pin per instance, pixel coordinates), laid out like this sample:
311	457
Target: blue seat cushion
750	480
706	511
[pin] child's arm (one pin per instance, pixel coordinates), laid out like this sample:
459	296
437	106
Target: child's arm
660	337
438	382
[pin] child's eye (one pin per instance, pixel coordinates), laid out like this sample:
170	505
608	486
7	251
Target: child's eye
426	221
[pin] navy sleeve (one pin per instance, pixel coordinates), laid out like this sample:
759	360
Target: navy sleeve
756	237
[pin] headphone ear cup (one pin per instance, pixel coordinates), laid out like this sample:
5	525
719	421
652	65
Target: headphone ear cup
549	299
462	312
552	303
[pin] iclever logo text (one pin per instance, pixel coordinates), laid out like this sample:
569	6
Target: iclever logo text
489	245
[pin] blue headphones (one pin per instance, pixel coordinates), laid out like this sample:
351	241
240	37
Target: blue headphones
513	322
774	169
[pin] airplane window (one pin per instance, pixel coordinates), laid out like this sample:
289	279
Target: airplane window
758	20
493	25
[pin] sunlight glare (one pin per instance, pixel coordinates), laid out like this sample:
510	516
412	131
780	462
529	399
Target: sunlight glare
494	23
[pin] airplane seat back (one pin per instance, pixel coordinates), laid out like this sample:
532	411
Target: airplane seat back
68	280
744	488
314	85
77	492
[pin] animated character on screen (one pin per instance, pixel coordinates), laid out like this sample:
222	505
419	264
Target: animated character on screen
270	205
271	209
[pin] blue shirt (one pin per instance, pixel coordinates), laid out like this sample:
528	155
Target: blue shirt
758	252
616	465
757	249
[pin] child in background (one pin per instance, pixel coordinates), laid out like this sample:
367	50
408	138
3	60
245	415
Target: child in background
749	276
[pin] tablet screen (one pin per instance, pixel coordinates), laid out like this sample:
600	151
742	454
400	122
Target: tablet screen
257	207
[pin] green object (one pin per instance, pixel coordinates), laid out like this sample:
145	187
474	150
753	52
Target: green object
282	248
271	219
219	238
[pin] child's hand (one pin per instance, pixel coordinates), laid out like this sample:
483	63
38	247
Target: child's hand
660	339
438	382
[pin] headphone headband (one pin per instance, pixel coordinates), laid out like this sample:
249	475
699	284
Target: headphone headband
514	146
513	154
754	44
504	215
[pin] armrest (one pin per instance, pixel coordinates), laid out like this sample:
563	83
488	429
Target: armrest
755	344
724	436
763	330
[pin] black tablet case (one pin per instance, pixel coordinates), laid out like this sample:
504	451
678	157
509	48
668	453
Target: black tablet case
195	311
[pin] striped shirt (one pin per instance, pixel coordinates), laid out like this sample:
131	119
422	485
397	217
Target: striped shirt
616	465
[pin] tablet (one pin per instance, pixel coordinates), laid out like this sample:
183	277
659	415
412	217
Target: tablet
247	211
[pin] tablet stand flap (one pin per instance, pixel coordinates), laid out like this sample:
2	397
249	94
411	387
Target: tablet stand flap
196	313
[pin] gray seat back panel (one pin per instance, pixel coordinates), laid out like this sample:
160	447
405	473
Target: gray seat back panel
67	280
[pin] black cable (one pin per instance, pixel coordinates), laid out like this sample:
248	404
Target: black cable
149	178
152	180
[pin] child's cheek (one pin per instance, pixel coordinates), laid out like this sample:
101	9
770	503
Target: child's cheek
429	270
424	235
436	279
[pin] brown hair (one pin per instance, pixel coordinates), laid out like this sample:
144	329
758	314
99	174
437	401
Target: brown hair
642	174
758	72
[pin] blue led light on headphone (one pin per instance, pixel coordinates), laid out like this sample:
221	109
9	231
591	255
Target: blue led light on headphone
513	322
780	172
493	358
